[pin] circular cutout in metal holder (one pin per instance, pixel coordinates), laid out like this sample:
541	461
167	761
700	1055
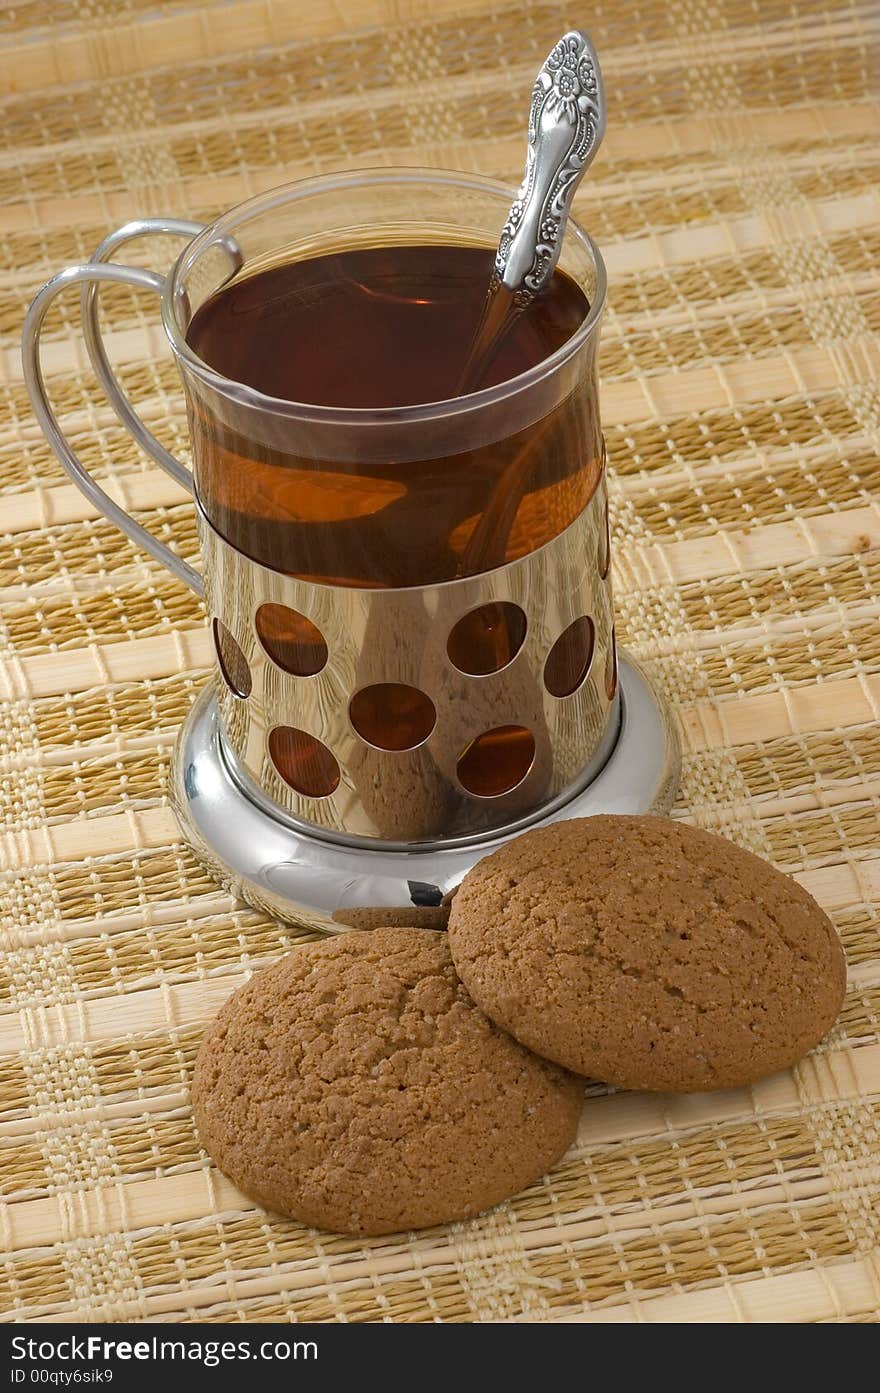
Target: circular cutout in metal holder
304	877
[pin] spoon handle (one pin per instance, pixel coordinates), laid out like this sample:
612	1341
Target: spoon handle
566	125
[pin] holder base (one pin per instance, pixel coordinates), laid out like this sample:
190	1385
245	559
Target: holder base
303	878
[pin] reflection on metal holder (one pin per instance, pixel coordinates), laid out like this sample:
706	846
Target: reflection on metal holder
302	876
413	715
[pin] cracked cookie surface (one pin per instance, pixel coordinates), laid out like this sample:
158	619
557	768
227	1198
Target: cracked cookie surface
647	953
354	1085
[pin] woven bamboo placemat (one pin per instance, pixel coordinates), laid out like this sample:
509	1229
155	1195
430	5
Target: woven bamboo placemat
736	200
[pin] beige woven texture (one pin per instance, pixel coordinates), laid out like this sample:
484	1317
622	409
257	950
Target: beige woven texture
736	201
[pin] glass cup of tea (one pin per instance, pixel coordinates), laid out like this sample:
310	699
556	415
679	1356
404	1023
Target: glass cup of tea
407	582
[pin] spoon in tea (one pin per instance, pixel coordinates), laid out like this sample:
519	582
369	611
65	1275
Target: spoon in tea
566	126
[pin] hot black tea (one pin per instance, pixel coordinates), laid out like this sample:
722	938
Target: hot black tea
369	329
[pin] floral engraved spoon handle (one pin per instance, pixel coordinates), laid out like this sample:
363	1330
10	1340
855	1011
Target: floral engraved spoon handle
566	126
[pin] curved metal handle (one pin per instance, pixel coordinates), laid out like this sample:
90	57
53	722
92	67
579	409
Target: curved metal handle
93	272
566	125
140	227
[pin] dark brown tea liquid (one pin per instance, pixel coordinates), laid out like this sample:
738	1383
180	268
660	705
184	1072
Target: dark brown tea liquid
378	503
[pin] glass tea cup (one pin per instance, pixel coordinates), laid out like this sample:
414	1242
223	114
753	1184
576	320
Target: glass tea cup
410	605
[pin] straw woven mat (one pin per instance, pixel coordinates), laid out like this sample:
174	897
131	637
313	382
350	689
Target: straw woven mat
736	200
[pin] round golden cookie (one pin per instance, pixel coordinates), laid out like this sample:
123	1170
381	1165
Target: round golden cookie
356	1086
647	953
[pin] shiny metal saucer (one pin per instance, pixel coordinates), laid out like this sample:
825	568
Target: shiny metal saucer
305	876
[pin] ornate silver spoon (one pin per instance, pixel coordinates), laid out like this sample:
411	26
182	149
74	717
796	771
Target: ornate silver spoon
566	126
